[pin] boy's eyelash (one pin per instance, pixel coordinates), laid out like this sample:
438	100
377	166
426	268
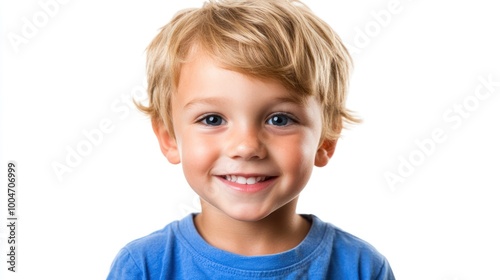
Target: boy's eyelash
286	114
202	117
205	116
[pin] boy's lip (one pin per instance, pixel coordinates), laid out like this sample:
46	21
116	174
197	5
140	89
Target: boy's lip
249	178
248	183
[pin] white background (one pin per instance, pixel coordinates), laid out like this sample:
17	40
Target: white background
85	61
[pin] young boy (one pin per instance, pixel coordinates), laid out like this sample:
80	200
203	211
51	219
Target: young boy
248	95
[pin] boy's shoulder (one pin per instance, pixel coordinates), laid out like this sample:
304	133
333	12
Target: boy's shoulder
141	258
179	252
349	250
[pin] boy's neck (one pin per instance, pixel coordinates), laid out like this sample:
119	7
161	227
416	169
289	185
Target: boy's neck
282	230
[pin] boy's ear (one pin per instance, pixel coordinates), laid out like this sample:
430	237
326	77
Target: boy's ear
168	144
325	152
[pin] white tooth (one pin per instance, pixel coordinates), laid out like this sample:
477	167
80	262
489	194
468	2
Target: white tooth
233	178
251	181
260	179
241	180
227	177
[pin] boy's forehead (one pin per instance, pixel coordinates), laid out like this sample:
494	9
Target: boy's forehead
199	61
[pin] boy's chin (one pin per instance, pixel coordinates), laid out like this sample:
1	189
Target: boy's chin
247	214
249	217
253	211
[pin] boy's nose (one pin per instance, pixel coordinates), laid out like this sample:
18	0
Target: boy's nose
246	144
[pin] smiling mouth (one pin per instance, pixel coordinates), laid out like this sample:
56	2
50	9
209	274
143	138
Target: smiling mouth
246	180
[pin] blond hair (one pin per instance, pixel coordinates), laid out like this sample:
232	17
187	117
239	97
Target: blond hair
278	39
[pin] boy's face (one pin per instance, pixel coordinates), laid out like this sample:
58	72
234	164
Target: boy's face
246	148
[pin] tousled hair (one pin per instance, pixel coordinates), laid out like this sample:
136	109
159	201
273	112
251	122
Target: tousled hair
270	39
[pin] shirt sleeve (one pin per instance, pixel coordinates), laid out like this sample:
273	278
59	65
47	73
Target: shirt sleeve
124	267
385	272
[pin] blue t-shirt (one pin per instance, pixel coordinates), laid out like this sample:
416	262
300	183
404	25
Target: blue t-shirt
179	252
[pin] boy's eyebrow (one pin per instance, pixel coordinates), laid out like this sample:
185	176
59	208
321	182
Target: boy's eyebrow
219	101
205	100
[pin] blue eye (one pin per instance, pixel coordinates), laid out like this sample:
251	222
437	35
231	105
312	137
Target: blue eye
280	120
212	120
